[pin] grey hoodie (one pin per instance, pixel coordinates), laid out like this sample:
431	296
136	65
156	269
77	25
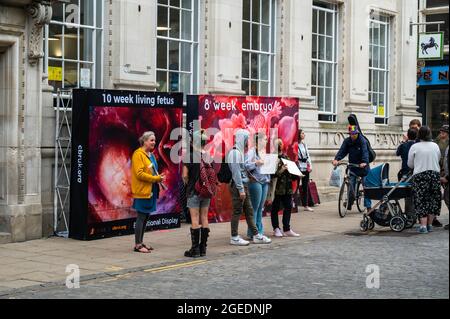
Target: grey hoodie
236	160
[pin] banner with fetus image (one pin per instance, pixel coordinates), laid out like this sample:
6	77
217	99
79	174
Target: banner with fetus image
106	126
274	116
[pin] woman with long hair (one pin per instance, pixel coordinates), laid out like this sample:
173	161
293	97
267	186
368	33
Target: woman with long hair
198	206
305	166
283	196
259	183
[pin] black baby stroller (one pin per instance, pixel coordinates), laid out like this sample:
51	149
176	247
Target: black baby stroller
387	211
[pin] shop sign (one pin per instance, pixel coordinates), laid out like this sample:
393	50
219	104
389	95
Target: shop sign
432	75
430	46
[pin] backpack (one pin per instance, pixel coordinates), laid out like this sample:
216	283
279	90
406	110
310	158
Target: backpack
206	185
353	120
372	154
224	175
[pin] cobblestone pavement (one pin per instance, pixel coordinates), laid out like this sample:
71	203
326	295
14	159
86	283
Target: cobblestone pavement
410	266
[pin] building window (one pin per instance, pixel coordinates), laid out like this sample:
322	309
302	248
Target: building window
258	47
436	110
324	59
73	44
177	46
437	3
379	68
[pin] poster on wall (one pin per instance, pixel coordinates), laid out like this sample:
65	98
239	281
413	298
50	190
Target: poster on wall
223	115
431	46
106	126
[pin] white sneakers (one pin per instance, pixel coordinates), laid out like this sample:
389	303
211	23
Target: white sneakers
258	239
238	241
277	233
308	209
261	239
291	233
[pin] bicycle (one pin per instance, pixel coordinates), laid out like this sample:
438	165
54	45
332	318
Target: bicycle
347	192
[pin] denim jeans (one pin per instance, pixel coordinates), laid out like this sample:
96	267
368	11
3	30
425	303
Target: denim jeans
367	201
241	206
258	194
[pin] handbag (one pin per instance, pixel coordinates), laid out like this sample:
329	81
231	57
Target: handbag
312	189
336	178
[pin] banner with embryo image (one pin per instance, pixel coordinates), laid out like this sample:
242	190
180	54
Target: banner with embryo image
223	115
106	126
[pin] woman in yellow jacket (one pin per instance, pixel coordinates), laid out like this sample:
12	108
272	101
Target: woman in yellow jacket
144	186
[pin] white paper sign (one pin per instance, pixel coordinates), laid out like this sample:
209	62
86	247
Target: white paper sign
292	167
85	78
270	164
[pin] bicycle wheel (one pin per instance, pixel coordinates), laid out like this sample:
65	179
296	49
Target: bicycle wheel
360	198
343	199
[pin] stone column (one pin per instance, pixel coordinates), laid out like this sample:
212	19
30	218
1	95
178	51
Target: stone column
133	44
356	70
20	174
294	20
221	51
406	104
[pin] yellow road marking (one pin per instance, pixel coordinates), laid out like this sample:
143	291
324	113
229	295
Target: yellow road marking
113	268
159	269
108	280
182	265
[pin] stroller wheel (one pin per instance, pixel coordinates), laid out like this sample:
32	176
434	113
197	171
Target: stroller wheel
364	224
410	221
371	224
397	223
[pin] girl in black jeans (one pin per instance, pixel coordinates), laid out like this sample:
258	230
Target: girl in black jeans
283	196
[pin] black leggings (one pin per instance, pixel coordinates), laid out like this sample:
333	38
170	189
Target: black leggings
141	223
306	196
286	201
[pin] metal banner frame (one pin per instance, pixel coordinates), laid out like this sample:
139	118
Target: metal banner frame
63	146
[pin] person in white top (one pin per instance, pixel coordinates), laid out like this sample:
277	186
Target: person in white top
305	166
424	158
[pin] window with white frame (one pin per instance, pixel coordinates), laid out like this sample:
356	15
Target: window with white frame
73	44
258	47
177	46
324	59
379	68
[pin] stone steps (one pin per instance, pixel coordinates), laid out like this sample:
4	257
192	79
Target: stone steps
5	238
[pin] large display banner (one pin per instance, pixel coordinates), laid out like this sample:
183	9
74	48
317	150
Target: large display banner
106	126
274	115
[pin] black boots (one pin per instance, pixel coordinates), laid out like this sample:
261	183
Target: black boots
195	249
198	245
203	241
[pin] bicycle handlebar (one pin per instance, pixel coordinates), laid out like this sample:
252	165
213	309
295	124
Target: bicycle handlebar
347	164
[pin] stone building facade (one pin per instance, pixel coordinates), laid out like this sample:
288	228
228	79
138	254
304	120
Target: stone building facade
338	57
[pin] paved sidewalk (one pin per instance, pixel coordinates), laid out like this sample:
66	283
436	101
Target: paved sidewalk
43	262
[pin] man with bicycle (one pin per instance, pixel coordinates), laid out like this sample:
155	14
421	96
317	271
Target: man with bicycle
355	147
